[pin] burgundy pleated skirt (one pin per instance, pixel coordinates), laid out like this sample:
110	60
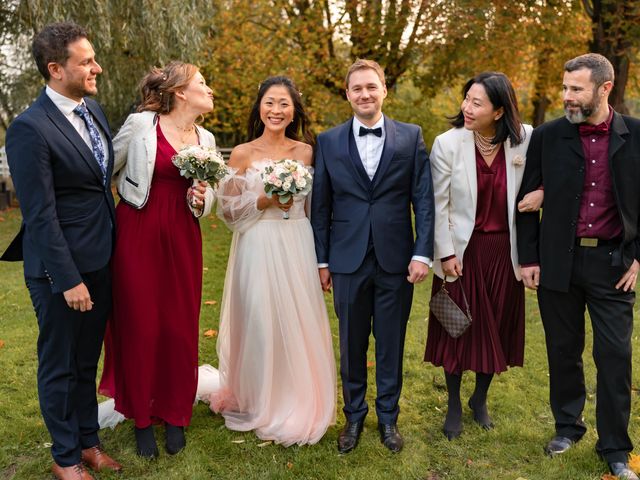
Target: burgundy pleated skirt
495	339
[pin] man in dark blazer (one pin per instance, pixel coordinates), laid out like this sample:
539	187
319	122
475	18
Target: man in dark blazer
60	157
369	173
584	252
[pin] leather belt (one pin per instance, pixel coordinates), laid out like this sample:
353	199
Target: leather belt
596	242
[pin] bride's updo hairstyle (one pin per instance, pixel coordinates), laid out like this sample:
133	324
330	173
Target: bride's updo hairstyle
159	86
300	122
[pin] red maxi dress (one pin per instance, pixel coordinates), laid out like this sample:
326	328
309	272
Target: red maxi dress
495	339
151	345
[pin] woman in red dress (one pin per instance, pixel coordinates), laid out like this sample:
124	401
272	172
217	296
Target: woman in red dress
477	169
151	359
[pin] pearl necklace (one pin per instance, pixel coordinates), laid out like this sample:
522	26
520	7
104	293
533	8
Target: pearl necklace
484	144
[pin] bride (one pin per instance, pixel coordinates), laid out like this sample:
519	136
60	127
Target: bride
276	362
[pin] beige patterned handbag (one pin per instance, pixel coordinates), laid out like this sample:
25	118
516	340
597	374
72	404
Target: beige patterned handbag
452	318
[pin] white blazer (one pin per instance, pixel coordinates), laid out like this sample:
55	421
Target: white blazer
455	187
134	149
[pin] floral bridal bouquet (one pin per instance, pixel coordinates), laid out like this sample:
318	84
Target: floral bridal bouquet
201	163
286	178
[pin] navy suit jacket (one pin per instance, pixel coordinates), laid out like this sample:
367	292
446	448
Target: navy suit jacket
348	209
68	214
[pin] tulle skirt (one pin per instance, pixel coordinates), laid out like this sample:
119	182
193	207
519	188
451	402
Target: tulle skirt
277	369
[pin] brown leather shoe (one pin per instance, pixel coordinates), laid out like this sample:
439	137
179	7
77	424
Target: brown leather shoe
74	472
97	460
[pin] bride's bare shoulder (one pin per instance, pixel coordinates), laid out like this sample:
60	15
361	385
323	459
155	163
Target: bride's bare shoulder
241	156
304	153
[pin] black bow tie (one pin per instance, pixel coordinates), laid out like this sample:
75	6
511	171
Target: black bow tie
374	131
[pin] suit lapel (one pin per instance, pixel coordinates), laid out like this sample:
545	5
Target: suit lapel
65	127
618	129
469	158
570	133
388	151
345	137
509	154
150	140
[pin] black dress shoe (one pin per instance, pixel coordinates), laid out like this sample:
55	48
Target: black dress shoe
558	445
146	442
622	471
175	439
390	437
349	436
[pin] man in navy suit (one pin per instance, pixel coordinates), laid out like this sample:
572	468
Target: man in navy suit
60	156
369	173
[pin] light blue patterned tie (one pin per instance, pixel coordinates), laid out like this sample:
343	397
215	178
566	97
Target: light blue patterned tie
96	141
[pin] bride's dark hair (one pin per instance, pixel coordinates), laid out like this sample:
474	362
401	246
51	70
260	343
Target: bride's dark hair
300	122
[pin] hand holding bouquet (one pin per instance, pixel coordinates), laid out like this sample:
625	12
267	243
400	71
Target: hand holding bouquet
286	178
201	163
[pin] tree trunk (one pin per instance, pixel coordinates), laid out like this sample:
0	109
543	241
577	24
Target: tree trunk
613	25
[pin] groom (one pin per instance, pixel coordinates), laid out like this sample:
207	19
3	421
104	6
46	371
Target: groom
369	172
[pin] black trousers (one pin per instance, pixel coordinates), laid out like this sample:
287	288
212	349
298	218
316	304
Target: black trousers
593	281
371	297
69	345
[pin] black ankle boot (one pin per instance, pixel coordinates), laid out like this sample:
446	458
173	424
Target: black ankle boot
175	439
146	442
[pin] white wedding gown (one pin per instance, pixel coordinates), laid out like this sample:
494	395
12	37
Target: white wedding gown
277	373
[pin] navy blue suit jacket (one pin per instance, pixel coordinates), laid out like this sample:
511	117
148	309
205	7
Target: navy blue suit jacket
68	214
347	207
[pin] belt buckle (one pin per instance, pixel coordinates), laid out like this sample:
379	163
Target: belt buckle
588	242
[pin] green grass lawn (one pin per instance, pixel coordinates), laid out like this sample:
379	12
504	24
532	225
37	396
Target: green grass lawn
517	402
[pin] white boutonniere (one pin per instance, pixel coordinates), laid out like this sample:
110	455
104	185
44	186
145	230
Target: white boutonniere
518	161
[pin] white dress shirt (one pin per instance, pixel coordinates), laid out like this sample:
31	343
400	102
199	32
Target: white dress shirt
66	106
369	146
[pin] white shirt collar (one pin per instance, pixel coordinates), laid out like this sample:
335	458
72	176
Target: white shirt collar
64	104
357	124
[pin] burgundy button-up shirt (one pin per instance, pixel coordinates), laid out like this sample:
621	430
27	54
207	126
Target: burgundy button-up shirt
598	217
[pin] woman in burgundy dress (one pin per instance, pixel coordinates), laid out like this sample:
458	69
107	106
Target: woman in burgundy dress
477	169
151	360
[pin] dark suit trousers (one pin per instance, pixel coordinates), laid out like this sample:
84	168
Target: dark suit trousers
371	293
69	345
593	281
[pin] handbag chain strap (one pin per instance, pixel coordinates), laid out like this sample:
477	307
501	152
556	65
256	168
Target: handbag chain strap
466	303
